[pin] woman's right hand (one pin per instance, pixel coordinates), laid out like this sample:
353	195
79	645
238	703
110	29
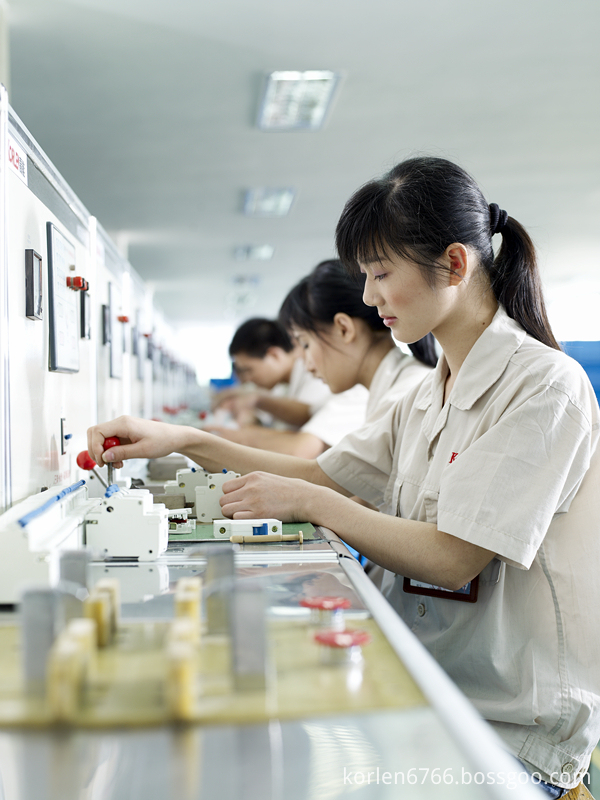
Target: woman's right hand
140	438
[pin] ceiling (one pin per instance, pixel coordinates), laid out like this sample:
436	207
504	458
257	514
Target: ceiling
148	109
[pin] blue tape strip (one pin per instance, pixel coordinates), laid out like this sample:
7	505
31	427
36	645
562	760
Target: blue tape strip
37	512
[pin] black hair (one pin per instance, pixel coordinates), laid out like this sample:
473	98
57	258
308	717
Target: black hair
255	336
422	206
329	290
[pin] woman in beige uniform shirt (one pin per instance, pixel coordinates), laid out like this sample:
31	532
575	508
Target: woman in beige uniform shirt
489	469
347	344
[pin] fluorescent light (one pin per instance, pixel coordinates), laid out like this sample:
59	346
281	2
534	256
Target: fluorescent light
254	252
296	100
264	202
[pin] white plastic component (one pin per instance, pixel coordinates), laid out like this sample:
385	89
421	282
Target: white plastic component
128	524
32	534
186	481
182	679
207	506
188	600
66	671
206	502
225	528
179	522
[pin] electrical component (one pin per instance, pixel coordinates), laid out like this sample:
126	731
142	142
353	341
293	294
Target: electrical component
220	572
179	522
128	524
202	489
246	527
248	637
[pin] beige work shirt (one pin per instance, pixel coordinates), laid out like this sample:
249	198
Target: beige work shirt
502	465
396	374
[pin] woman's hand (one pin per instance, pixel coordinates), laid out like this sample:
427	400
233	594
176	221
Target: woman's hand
259	495
140	438
240	403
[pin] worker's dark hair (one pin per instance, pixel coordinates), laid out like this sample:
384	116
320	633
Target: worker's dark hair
329	290
425	204
255	336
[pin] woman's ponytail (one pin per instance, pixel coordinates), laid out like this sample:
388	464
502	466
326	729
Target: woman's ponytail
516	283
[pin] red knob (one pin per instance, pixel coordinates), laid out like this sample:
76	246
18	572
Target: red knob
123	319
112	441
76	282
325	603
347	638
85	461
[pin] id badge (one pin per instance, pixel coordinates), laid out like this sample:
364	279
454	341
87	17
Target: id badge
466	594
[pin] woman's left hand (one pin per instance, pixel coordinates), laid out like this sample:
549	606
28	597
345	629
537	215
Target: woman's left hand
260	495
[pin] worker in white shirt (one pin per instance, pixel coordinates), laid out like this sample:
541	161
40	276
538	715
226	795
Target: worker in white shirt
347	344
274	379
488	470
297	412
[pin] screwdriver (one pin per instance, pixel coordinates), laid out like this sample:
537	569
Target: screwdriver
112	441
86	462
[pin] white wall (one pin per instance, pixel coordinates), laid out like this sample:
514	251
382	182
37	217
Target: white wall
39	398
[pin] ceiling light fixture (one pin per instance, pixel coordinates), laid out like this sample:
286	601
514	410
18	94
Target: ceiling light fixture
296	100
264	202
254	252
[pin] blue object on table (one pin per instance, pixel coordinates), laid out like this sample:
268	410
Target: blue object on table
260	530
362	560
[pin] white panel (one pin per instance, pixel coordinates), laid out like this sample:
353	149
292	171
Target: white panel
5	466
40	398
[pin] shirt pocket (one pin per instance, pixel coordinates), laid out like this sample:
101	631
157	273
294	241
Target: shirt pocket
430	506
391	496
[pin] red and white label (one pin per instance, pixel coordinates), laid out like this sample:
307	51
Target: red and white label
17	160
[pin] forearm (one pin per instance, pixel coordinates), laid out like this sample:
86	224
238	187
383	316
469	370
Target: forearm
414	549
294	412
215	453
293	443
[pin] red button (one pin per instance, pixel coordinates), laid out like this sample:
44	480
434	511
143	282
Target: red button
342	639
326	603
85	461
112	441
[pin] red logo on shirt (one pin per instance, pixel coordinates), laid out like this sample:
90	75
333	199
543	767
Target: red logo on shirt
452	457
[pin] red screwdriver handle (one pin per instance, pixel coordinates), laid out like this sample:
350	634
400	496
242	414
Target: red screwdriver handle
85	461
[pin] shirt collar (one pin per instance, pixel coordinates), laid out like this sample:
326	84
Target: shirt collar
385	370
483	366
